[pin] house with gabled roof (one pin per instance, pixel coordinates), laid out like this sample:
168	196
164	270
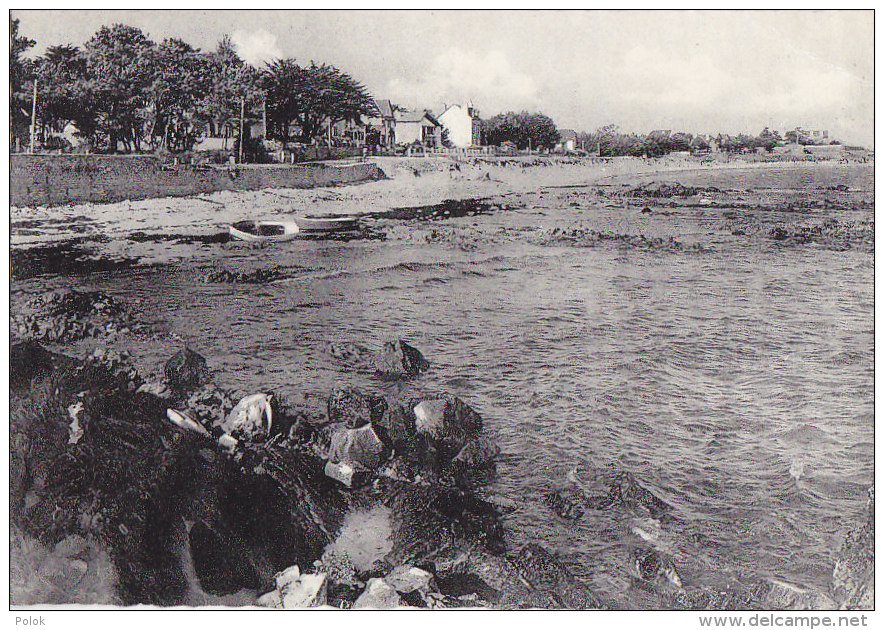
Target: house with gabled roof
419	126
567	140
463	125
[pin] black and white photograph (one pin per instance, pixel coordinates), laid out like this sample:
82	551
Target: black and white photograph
437	310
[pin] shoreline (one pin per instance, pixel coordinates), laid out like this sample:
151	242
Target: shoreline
409	182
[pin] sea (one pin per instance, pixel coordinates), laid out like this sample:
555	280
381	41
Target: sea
686	341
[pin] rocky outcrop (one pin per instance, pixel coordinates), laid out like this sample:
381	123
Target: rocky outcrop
204	498
68	315
185	371
853	578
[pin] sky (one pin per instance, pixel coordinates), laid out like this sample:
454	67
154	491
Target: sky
693	71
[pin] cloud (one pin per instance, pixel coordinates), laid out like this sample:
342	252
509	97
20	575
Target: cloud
455	75
256	47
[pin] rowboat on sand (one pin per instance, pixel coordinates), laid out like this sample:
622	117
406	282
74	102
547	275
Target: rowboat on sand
264	231
327	222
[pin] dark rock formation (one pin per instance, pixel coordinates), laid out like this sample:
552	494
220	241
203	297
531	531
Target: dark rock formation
397	360
853	578
566	504
354	408
69	315
185	371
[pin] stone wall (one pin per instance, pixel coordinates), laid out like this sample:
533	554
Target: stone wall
51	180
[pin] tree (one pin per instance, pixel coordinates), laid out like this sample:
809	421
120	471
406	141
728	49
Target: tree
120	71
21	73
525	130
62	96
182	80
231	81
768	139
313	97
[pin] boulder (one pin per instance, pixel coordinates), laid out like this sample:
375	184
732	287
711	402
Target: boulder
395	426
356	446
301	591
351	475
185	370
397	360
270	600
447	416
407	579
354	408
565	504
378	595
28	360
251	419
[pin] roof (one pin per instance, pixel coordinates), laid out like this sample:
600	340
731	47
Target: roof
567	134
416	117
660	133
464	108
385	107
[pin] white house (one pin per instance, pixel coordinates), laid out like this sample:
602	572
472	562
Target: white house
463	125
421	127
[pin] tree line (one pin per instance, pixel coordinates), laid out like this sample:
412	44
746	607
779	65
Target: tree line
121	88
610	141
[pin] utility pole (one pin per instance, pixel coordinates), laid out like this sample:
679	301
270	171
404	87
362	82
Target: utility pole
242	126
264	115
33	117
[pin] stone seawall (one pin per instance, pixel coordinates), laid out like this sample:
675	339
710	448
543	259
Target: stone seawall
51	180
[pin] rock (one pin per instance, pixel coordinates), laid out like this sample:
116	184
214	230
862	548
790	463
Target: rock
853	578
407	579
251	419
155	388
119	364
301	591
185	370
477	454
351	475
378	595
568	505
270	600
457	584
27	361
356	446
779	595
545	572
185	422
397	359
354	408
447	416
656	568
429	417
396	426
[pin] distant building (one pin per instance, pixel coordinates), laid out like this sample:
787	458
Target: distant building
807	136
421	127
463	125
567	140
508	147
383	125
347	133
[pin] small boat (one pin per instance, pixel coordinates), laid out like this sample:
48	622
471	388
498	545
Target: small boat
327	222
264	231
